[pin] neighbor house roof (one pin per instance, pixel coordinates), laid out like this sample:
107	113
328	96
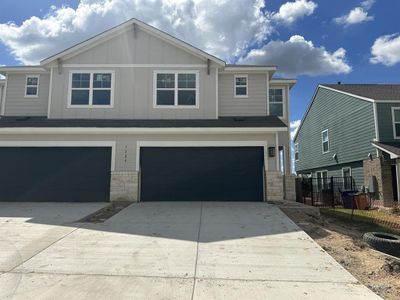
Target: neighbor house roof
392	148
91	42
225	122
371	91
367	92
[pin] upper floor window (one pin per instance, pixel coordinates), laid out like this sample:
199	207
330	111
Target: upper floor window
396	122
176	89
325	141
276	102
241	82
91	89
296	151
32	86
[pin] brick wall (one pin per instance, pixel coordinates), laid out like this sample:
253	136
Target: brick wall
381	169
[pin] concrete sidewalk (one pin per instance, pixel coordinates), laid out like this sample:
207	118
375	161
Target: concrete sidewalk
181	251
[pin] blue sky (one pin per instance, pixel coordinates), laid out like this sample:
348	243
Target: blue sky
313	23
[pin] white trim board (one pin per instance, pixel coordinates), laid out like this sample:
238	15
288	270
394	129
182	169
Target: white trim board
137	130
111	144
141	144
3	102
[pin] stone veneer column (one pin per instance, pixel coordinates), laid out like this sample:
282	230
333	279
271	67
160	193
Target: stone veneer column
124	186
290	186
274	185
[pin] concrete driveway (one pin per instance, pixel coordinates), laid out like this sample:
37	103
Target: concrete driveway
167	251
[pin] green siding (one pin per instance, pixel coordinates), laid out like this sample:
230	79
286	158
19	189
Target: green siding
385	121
350	122
357	172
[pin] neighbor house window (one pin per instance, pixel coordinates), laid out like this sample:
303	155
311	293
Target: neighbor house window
347	180
396	122
296	151
276	102
32	86
91	89
325	141
322	180
176	89
241	82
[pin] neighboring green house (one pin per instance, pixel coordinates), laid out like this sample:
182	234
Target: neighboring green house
353	130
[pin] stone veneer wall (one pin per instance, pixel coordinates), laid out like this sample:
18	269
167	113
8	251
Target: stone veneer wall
274	185
290	187
124	186
381	169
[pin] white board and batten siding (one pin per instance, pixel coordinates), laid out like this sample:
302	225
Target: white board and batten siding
134	61
17	104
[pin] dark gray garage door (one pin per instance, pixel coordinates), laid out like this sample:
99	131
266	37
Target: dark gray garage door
65	174
201	174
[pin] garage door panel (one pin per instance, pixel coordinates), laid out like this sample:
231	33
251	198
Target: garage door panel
70	174
202	173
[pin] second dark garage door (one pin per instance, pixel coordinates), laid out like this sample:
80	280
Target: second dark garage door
201	174
67	174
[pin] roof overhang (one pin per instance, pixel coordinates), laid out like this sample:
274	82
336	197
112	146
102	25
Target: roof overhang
389	151
139	130
249	69
108	34
22	69
282	81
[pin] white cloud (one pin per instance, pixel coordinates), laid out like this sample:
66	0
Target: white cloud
292	11
223	28
298	56
357	15
294	126
386	50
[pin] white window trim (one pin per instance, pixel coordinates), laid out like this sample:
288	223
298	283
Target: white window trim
322	171
296	145
284	100
91	72
322	141
235	86
396	137
176	89
345	169
37	86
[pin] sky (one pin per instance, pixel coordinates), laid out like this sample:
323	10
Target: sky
314	41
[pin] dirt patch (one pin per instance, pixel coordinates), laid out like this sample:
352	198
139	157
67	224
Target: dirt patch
343	241
105	213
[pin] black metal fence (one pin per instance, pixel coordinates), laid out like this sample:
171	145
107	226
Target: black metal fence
323	191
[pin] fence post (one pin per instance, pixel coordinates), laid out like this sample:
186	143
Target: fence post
332	193
312	191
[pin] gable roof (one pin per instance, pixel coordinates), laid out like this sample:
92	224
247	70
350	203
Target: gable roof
367	92
372	91
110	33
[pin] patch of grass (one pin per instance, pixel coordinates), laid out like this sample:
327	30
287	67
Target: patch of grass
366	220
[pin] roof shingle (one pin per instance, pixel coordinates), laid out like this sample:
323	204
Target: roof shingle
372	91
